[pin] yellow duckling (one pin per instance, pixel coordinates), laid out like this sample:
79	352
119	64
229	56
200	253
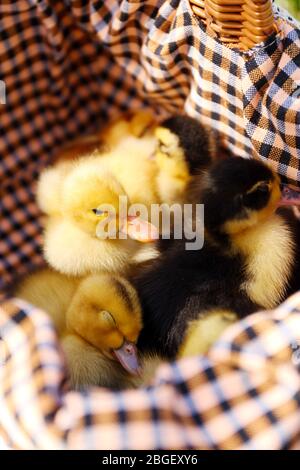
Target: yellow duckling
131	163
125	147
138	125
98	320
88	228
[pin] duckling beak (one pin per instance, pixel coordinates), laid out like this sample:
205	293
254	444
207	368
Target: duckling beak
139	229
127	356
289	197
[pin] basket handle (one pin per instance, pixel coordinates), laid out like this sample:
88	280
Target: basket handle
238	23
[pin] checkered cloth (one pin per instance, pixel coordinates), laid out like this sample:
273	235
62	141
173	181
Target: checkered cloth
68	66
244	395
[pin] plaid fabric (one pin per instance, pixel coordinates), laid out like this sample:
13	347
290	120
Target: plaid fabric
244	395
67	67
70	65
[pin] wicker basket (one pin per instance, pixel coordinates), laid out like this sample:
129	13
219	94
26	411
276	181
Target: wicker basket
239	23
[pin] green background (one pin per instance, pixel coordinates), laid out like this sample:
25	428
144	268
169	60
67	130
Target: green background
293	6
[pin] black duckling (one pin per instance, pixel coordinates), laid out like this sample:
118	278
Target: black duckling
247	261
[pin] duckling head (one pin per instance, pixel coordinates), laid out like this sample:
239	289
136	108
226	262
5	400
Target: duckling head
106	313
183	146
94	200
91	196
238	194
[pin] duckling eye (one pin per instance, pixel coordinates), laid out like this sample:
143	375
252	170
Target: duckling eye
98	211
257	196
262	189
107	316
